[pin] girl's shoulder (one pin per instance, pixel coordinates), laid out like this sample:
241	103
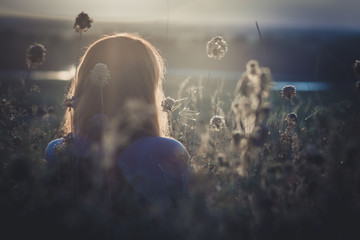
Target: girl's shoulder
161	148
50	151
155	167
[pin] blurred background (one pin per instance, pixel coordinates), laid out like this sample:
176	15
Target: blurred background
310	43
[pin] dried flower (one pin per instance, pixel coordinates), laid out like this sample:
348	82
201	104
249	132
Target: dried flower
82	22
357	68
168	104
216	47
252	67
35	55
70	102
217	123
100	75
288	92
291	119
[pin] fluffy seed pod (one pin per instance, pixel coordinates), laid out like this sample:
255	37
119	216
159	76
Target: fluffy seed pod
216	47
82	22
35	55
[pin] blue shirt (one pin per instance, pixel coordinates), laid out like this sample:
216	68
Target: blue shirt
155	167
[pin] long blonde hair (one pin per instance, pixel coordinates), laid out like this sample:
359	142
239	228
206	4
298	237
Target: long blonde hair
136	73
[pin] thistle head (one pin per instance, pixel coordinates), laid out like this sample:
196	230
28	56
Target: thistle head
217	123
35	55
168	104
216	47
100	75
288	92
82	22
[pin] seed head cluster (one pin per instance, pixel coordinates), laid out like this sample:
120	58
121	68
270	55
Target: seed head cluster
291	119
35	55
82	22
168	104
216	47
217	123
288	92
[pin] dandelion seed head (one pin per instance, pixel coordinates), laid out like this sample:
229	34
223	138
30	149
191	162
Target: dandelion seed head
252	67
82	22
35	55
100	75
217	123
216	47
168	104
288	92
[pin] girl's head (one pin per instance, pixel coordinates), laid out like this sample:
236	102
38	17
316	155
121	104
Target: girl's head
133	93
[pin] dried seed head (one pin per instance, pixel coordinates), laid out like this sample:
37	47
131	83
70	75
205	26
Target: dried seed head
168	104
216	47
100	75
288	92
252	67
82	22
217	123
291	119
35	55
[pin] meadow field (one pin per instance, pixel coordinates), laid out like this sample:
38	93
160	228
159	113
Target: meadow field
269	163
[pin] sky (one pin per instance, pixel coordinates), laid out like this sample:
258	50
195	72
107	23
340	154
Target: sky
338	13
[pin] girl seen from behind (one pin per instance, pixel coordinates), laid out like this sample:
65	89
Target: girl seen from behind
115	119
